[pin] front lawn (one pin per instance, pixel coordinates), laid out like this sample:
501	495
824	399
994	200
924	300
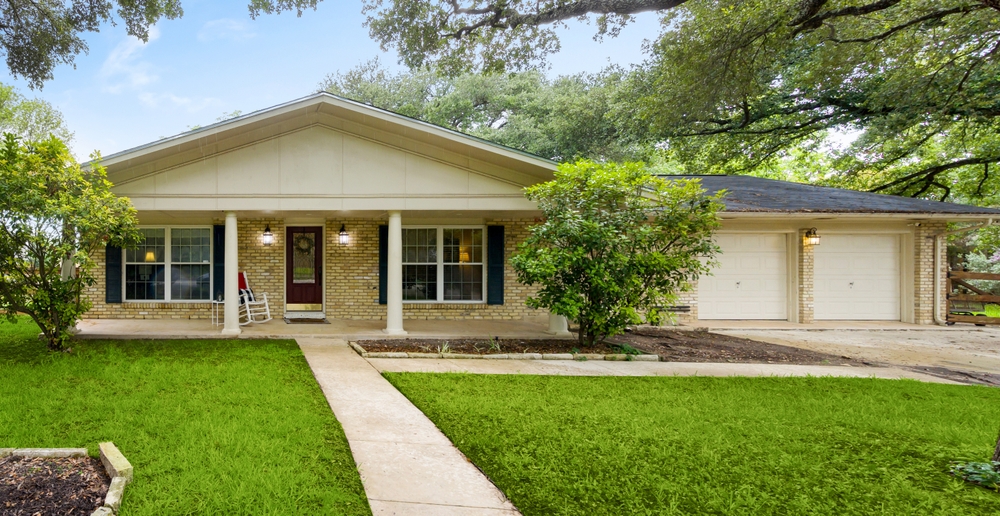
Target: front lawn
585	445
211	426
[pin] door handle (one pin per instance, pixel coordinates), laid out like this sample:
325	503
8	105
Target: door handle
851	284
737	284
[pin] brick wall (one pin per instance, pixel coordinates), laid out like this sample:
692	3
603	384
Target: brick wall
352	278
806	261
264	265
923	277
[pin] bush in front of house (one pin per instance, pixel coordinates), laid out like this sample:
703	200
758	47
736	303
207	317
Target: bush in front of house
617	245
54	215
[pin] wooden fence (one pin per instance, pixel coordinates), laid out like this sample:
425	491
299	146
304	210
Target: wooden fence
966	307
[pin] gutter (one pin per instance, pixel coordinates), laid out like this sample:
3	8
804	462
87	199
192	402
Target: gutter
938	240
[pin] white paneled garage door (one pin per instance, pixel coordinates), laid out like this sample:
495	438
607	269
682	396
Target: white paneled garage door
751	280
856	277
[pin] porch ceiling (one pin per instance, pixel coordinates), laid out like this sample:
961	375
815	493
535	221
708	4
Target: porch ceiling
437	216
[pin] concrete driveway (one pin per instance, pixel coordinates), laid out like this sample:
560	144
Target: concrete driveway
973	352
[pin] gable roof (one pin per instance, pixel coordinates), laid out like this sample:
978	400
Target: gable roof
748	194
328	104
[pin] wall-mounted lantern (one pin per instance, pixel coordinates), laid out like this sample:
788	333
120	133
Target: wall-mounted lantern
268	237
342	235
811	237
150	256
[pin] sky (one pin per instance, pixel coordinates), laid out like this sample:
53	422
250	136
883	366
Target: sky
216	60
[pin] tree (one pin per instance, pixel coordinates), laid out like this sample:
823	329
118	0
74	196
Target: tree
30	119
737	86
616	243
563	119
53	216
494	35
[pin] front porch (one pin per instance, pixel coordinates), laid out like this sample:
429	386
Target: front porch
531	327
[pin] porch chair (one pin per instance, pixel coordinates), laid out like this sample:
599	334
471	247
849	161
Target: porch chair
252	309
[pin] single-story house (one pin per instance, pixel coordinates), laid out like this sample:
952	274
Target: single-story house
342	210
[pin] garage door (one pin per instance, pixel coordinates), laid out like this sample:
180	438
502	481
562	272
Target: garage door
750	282
856	277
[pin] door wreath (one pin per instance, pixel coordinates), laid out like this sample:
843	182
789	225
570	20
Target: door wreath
303	244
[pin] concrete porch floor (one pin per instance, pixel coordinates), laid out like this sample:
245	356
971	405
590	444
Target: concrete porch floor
277	328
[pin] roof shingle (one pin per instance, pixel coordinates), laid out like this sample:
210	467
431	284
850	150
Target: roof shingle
754	194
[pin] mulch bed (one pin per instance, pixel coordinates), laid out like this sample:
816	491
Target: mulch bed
36	486
484	346
705	346
671	345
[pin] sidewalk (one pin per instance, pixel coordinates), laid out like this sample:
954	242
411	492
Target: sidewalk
406	464
607	368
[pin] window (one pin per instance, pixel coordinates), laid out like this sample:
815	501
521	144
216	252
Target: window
184	265
443	264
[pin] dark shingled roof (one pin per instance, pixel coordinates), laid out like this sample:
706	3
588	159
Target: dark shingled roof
755	194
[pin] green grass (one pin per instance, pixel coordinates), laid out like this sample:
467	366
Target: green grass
584	445
211	426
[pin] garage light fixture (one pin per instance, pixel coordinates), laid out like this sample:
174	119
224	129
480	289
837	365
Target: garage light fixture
344	239
268	237
811	237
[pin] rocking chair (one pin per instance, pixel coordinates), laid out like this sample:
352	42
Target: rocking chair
252	309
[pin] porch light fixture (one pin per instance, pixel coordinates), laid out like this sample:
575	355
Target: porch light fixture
150	256
268	237
811	237
342	235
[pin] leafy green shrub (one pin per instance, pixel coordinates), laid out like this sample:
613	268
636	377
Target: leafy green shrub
986	474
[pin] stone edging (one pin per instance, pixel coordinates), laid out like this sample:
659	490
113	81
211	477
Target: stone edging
115	464
507	356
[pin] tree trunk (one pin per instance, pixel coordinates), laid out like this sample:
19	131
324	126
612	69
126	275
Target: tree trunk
996	453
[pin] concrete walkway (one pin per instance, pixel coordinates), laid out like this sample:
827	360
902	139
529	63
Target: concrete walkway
406	464
605	368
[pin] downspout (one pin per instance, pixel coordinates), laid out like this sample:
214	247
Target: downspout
938	239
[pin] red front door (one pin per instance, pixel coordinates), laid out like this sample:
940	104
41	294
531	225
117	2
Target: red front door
304	269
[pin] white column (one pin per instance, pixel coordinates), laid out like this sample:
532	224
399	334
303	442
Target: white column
394	277
558	325
232	306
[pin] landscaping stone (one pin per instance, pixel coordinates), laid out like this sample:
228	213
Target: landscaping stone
424	355
361	351
524	356
115	463
114	498
646	358
49	453
557	356
617	357
388	354
589	356
6	451
102	511
495	357
459	355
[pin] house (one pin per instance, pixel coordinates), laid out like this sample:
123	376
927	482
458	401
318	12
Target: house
342	210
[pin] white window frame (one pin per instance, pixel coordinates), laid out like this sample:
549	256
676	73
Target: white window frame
440	267
167	262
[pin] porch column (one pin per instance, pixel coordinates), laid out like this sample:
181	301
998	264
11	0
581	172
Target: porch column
558	325
232	306
394	276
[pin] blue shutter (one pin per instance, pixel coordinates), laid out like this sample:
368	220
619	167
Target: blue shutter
383	263
494	264
218	261
112	274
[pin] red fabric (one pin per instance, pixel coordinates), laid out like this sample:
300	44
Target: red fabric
243	281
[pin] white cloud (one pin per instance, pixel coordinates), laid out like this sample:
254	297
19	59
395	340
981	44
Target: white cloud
123	69
191	105
226	28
